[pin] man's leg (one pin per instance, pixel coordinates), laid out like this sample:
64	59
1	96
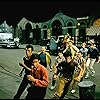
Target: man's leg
53	83
21	88
91	66
60	88
87	68
66	88
35	92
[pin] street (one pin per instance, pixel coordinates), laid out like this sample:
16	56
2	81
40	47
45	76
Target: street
9	70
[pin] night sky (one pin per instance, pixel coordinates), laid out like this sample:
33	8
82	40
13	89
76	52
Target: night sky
42	10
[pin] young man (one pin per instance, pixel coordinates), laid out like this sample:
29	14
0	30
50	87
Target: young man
66	69
71	47
45	58
39	80
93	55
26	64
84	50
79	71
58	60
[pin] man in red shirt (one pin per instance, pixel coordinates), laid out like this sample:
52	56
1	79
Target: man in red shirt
39	80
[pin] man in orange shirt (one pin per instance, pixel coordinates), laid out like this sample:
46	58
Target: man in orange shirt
39	80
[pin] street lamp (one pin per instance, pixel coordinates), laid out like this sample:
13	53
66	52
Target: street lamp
78	24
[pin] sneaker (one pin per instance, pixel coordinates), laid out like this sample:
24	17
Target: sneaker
52	87
72	91
86	76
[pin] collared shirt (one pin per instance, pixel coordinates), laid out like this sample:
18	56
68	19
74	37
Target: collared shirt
41	76
45	58
42	58
94	52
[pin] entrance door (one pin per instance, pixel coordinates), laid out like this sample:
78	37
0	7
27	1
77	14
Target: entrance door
70	29
82	32
37	35
28	36
56	28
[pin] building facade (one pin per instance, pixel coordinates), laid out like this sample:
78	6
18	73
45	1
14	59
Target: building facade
79	28
60	24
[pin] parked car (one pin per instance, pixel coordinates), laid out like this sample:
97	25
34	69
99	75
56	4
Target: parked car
9	43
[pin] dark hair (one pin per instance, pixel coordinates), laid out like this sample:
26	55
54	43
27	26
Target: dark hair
29	46
60	51
34	56
71	39
67	54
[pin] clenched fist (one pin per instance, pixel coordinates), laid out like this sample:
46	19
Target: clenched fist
30	78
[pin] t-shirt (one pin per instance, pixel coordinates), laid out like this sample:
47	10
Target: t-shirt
41	76
42	58
67	69
28	63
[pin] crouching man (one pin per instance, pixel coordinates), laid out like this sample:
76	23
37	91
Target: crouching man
39	80
66	69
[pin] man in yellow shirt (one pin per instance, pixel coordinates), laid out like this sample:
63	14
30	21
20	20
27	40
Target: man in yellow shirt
45	57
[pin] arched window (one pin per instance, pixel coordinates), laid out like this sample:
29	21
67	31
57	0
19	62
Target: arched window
37	34
56	28
69	28
28	30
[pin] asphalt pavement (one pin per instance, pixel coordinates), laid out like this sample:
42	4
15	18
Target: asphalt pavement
9	79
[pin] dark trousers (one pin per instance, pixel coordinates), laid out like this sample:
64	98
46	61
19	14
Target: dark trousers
35	92
22	87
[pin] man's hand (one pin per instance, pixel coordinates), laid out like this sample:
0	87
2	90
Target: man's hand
77	79
21	64
30	78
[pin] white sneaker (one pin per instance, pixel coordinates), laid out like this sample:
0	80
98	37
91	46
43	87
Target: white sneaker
52	87
87	75
72	91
